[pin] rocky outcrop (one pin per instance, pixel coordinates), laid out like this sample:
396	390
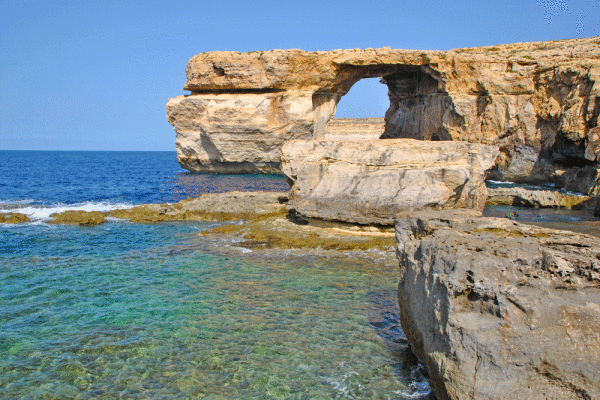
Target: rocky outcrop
238	132
500	310
538	102
79	217
13	218
369	181
517	196
229	206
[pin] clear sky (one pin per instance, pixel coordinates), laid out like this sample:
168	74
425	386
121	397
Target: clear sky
96	75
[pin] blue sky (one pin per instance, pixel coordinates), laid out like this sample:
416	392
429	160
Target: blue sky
90	75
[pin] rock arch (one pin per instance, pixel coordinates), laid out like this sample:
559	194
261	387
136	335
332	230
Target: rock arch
535	101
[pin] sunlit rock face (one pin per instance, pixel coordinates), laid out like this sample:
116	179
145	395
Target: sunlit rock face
538	102
370	181
496	309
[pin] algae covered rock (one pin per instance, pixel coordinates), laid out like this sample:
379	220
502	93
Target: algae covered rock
209	207
13	218
79	217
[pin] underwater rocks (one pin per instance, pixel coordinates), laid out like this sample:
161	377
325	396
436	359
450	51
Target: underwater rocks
538	102
370	181
497	309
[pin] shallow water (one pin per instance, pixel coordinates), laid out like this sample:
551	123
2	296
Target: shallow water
155	311
582	221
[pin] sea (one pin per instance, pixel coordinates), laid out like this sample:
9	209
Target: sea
144	311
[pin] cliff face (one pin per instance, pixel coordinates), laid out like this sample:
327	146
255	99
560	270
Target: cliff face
500	310
370	181
538	102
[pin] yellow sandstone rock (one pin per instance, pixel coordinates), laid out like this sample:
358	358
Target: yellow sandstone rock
538	102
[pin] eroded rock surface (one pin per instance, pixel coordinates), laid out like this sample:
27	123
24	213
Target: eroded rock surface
208	207
518	196
369	181
500	310
13	218
538	102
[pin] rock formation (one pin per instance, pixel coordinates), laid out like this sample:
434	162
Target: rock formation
500	310
518	196
538	102
369	181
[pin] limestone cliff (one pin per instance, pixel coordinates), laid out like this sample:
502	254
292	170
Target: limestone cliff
500	310
538	102
370	181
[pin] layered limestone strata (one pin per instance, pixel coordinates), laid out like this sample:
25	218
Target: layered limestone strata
500	310
354	128
538	102
369	181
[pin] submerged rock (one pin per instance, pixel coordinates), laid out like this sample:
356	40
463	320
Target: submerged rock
369	181
500	310
289	232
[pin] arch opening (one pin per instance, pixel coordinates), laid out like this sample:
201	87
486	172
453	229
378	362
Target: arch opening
360	112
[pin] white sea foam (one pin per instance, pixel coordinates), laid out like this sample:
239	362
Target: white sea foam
42	213
501	182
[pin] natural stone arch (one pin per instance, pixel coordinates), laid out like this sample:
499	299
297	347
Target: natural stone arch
368	98
535	101
419	105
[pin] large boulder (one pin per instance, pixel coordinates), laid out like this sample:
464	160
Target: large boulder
538	102
369	181
500	310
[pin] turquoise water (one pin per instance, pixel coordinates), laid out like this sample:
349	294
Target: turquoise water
156	311
125	310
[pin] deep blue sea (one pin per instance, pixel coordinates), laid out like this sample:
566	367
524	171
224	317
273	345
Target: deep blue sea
124	310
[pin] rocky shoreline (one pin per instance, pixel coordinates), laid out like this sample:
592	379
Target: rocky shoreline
498	309
493	307
479	297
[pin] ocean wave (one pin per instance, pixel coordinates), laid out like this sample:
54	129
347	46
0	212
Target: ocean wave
42	213
12	204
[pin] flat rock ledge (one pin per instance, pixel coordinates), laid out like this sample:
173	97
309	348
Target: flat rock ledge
208	207
500	310
517	196
370	181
